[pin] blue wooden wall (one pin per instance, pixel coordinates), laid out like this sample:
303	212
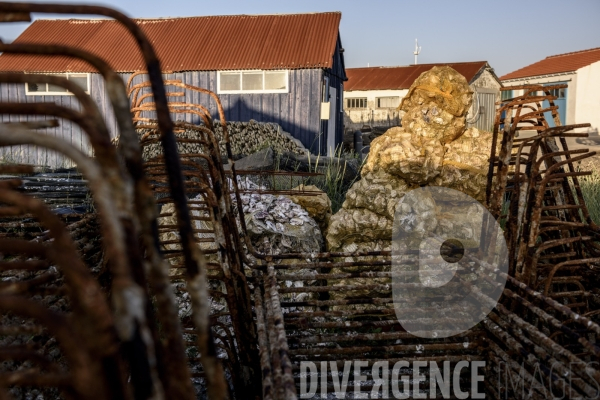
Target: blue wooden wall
31	154
298	112
337	77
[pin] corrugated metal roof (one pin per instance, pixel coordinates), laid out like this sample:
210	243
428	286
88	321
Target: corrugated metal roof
286	41
567	62
383	78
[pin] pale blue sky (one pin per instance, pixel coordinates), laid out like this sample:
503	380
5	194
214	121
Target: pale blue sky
509	34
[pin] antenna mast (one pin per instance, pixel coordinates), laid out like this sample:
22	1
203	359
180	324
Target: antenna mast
417	50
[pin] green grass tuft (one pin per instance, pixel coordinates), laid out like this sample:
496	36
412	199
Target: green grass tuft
332	181
590	187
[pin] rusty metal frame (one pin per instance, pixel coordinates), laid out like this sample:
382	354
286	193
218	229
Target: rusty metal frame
208	180
194	259
146	211
97	370
125	288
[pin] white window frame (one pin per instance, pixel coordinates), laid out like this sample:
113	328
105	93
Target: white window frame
62	74
241	91
353	100
377	101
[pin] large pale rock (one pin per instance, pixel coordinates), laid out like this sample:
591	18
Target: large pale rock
437	104
443	86
432	148
466	162
399	152
317	204
434	123
357	225
378	192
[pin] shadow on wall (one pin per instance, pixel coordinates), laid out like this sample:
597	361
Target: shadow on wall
244	109
356	119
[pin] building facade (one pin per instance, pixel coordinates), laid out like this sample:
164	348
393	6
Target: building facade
372	95
286	69
580	71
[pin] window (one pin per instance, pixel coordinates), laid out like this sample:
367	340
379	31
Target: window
559	93
388	102
506	94
41	89
530	93
252	82
356	102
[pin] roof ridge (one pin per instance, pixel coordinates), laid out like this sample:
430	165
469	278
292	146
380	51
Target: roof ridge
417	65
574	52
446	63
402	77
192	16
286	33
558	63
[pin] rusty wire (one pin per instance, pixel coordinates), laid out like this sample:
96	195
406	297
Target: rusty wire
173	359
551	237
216	233
46	270
130	149
110	193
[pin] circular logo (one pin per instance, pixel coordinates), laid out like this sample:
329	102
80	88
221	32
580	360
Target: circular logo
449	259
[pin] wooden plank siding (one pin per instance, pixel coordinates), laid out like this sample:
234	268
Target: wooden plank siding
298	112
68	131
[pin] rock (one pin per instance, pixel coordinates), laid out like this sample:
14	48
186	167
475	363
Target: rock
378	192
431	148
433	123
357	226
318	205
399	152
465	164
436	105
442	85
259	161
278	225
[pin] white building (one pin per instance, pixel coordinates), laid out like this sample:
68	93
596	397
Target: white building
372	95
580	70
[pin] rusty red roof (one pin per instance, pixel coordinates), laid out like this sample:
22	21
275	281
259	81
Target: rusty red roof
383	78
567	62
286	41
